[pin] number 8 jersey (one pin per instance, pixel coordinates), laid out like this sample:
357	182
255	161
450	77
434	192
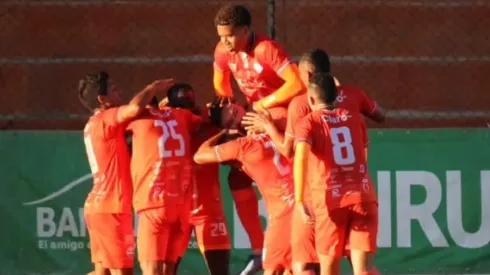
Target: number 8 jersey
161	163
337	163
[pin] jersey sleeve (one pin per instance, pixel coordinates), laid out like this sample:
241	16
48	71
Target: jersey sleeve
221	58
296	111
303	130
273	55
368	105
229	151
194	121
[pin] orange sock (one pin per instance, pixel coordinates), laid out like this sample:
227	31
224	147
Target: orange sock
247	208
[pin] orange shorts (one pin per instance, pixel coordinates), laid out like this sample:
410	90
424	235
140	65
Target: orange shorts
302	240
211	234
354	227
111	239
160	233
277	242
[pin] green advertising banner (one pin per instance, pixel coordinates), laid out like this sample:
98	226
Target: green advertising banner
433	188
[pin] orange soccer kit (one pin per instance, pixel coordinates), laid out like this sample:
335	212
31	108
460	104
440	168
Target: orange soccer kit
350	98
272	174
206	215
342	197
161	169
107	209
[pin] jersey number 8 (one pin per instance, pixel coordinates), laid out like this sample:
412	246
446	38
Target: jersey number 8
342	140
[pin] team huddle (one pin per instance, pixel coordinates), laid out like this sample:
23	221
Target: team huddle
303	142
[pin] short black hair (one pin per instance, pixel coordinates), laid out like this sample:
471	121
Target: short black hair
233	15
318	59
177	96
154	102
324	87
90	87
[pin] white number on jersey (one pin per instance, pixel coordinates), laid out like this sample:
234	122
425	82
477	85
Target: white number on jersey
336	135
282	169
218	229
92	161
168	131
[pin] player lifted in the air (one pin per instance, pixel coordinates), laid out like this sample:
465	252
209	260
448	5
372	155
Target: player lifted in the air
256	155
161	169
206	215
267	77
107	209
330	155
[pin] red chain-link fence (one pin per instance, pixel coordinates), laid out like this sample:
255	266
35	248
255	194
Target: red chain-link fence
426	62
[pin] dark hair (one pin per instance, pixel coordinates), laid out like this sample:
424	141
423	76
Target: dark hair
91	87
178	96
318	59
233	15
324	87
154	102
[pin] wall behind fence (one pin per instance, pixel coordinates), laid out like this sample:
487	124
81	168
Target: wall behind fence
426	62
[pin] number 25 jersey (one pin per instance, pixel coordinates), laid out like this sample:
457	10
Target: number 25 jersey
161	163
337	163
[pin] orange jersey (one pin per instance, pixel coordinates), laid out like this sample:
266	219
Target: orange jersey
206	193
257	72
267	167
109	160
337	163
161	165
349	97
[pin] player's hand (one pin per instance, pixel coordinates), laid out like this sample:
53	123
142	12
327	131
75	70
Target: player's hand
257	122
162	86
305	212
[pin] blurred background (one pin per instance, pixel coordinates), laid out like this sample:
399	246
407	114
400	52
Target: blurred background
426	62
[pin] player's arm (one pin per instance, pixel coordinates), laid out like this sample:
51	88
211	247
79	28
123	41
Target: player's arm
279	61
221	73
143	98
211	152
371	109
302	145
303	149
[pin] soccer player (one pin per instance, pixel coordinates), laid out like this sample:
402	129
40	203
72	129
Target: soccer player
256	155
107	208
207	218
266	76
330	150
161	169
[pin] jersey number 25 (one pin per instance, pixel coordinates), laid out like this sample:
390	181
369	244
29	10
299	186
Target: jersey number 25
168	131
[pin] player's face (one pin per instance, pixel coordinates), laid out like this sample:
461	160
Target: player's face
113	97
235	39
304	72
231	116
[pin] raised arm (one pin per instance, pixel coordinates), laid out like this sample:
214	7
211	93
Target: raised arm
143	98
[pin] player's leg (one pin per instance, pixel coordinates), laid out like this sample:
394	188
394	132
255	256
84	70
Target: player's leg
362	238
91	221
183	246
247	208
330	235
179	234
116	242
154	229
214	243
305	260
277	247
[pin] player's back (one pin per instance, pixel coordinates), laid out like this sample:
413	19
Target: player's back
109	160
206	186
337	162
161	164
270	170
